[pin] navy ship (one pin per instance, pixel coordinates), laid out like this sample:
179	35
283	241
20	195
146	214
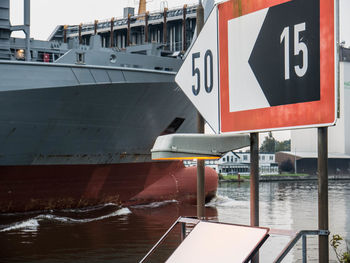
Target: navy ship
78	122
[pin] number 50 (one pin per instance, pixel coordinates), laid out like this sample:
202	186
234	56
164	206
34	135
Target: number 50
208	84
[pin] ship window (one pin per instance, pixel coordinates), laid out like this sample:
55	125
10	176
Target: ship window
80	58
158	68
173	126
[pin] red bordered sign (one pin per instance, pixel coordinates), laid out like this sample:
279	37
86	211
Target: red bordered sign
301	57
264	65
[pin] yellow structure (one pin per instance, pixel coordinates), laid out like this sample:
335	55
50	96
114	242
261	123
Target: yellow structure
142	7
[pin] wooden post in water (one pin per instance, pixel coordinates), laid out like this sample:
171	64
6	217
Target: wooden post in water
200	129
323	245
254	183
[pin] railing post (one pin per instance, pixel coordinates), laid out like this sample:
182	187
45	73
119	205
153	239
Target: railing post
184	11
165	36
111	36
80	37
95	27
183	231
128	31
146	27
304	244
65	27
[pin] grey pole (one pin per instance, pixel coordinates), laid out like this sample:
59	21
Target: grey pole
304	249
200	129
27	27
323	247
254	183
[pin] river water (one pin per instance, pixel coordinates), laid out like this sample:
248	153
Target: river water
108	233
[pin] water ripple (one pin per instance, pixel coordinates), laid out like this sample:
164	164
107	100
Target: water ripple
32	224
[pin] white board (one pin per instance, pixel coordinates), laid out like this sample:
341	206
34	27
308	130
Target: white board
215	242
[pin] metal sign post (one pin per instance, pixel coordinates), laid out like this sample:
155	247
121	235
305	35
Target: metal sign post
323	246
254	184
200	129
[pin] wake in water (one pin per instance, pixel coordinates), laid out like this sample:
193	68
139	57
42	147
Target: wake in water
90	208
224	201
32	224
155	204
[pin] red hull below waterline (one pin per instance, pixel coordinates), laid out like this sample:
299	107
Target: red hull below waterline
45	187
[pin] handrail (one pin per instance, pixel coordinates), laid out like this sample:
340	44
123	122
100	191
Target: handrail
295	239
183	221
296	236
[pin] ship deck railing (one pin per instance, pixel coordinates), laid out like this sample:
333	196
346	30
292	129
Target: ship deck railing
105	24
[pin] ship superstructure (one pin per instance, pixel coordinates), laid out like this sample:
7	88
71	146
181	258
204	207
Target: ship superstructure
173	29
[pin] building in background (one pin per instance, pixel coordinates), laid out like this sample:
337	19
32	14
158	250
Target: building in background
303	152
239	163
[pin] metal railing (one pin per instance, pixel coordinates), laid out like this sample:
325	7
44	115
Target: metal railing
183	221
296	236
122	21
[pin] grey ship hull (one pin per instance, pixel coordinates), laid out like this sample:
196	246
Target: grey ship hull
77	123
66	114
67	142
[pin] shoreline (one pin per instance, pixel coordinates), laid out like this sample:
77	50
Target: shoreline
281	178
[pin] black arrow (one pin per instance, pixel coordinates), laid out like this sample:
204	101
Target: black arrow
267	59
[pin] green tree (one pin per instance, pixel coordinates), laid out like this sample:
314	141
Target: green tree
270	144
283	146
343	256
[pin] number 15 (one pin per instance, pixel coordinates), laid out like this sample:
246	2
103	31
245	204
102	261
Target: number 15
299	46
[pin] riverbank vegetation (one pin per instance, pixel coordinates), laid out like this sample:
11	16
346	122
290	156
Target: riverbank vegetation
236	177
342	251
271	145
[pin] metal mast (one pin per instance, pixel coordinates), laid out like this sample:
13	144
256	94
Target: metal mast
5	31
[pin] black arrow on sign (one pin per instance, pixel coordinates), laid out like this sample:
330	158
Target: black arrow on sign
267	59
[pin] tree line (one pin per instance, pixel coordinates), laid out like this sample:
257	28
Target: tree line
271	145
